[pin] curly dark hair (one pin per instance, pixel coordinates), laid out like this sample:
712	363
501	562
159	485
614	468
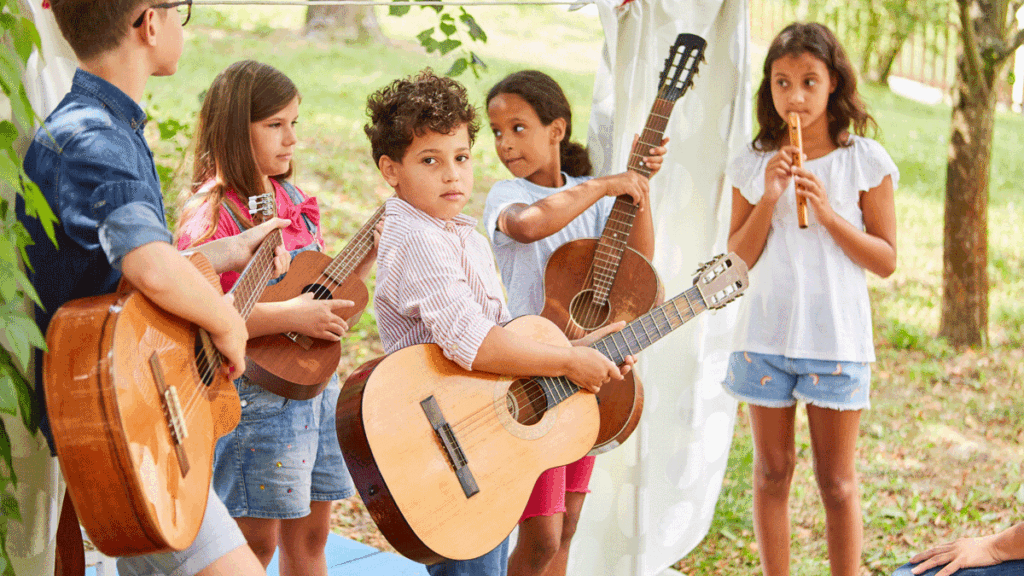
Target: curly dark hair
844	104
412	106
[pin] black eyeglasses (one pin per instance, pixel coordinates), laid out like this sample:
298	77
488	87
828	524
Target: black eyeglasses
184	10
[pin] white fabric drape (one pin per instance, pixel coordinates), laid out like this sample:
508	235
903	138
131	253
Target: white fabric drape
654	497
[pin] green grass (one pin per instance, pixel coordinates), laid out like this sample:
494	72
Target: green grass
940	450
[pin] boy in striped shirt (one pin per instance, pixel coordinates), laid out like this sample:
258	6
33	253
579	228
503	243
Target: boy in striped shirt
436	278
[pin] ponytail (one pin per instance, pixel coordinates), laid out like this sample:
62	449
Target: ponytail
575	159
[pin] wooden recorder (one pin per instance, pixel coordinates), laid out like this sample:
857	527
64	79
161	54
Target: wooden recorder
796	139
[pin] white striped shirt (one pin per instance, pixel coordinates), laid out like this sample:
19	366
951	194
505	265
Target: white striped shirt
436	283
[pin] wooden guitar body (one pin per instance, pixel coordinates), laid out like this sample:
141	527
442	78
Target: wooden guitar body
445	459
111	360
296	366
570	305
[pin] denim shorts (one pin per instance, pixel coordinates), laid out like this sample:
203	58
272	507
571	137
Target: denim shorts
283	454
218	535
774	381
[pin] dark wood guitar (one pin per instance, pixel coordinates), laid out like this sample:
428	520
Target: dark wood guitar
592	282
445	459
297	366
137	401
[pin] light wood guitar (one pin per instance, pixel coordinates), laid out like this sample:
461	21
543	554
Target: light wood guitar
592	282
137	401
445	459
297	366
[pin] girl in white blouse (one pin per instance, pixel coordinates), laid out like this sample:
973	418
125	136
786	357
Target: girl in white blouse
805	329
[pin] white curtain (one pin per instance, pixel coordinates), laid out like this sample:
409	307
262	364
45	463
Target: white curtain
654	497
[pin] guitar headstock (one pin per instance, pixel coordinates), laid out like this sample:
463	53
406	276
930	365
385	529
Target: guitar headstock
262	207
721	280
681	66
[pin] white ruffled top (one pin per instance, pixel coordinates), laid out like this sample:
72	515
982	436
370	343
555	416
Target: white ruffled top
807	299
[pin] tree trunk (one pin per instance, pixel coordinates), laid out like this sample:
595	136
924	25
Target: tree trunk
355	23
965	235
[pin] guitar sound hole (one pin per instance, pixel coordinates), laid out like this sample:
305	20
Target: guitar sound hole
588	314
320	292
526	402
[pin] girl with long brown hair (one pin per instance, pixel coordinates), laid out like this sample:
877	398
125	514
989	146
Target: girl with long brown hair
281	468
804	332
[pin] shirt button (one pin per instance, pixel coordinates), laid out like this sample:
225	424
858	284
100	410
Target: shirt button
455	346
449	227
245	403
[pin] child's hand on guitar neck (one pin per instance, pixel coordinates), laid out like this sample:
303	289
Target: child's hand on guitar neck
657	155
618	373
589	369
627	183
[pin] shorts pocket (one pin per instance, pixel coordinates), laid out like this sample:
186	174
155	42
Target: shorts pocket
257	403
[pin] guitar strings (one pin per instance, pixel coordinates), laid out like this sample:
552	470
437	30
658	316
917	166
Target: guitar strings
245	287
652	332
602	274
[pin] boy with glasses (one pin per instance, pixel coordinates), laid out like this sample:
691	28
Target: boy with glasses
94	166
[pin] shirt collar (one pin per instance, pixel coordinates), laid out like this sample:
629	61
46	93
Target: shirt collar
111	96
398	207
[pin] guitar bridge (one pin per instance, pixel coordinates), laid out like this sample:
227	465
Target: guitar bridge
175	415
452	448
301	339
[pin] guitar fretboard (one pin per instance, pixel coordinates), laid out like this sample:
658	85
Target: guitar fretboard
355	251
634	338
254	278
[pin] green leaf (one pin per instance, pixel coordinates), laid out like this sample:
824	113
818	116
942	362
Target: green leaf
447	29
37	207
449	45
8	134
458	67
437	9
5	452
9	507
25	38
10	69
8	392
425	35
22	334
399	10
475	31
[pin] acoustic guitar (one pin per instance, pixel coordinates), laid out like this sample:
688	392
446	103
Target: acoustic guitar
592	282
294	365
445	459
137	401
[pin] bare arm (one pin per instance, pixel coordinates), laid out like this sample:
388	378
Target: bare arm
504	352
234	252
873	248
973	552
749	226
175	285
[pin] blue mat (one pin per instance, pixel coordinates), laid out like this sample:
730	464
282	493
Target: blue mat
347	558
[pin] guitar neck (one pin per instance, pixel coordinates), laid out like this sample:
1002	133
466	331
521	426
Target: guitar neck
257	273
634	337
620	222
355	251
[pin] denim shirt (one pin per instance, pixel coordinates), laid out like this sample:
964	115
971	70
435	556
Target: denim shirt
93	165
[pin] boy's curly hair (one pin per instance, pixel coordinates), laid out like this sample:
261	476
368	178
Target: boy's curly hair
412	106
